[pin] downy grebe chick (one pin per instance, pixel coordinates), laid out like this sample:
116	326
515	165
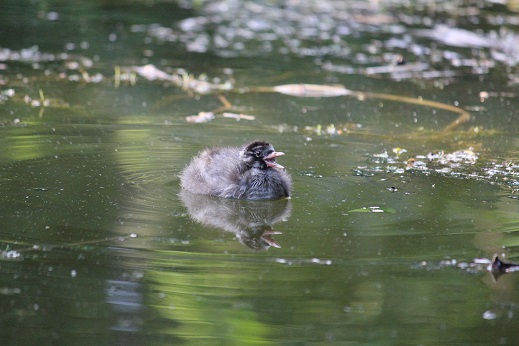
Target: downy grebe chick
247	173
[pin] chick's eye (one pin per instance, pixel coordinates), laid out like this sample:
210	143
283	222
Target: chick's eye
257	153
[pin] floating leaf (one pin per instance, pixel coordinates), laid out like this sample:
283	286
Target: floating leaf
202	117
238	116
374	209
311	90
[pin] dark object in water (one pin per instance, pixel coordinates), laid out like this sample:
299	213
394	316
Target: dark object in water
250	172
499	266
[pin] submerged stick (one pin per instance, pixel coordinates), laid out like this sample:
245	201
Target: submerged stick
30	247
182	79
463	117
315	90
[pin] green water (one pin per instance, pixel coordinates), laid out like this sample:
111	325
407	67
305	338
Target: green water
99	246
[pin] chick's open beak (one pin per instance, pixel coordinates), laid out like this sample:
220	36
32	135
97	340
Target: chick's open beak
270	159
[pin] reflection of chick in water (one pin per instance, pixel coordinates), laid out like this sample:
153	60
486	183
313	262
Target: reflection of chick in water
250	221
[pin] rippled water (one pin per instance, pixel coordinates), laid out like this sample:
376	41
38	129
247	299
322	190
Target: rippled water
392	224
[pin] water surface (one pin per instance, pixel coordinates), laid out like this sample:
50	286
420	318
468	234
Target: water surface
99	245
